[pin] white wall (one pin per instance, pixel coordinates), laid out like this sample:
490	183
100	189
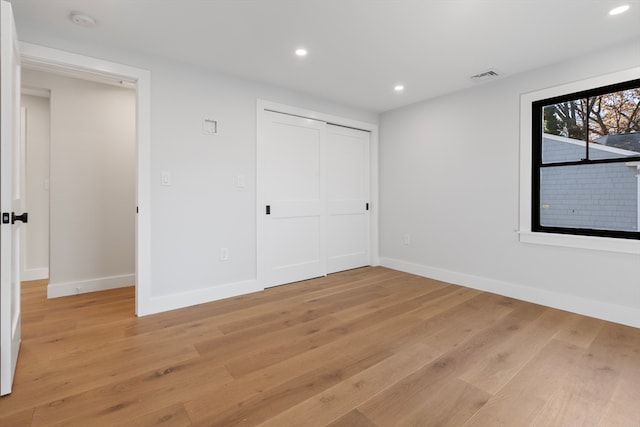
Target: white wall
92	183
449	178
36	234
203	210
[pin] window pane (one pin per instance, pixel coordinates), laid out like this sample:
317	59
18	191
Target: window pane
614	125
565	131
601	196
557	148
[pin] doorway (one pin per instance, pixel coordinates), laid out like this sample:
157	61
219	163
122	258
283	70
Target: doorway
47	59
91	187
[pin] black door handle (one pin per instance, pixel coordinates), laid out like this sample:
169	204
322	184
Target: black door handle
24	217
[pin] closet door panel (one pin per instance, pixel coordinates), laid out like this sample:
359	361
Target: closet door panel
294	199
348	218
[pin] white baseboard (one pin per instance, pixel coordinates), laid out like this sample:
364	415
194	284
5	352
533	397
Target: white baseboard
614	313
55	290
34	274
185	299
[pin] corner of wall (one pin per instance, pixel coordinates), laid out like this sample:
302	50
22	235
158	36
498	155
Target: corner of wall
587	307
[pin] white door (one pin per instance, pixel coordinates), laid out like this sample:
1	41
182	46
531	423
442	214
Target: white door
10	202
291	156
348	229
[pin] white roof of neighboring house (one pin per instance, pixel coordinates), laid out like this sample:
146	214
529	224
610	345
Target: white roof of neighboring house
594	146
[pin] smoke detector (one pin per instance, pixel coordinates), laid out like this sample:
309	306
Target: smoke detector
82	19
485	76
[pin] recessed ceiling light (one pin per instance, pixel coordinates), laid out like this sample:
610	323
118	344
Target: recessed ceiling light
398	88
82	19
301	52
618	10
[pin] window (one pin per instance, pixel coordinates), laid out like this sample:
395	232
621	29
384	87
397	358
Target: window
586	162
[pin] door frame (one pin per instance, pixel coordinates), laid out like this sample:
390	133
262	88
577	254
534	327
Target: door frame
261	123
45	58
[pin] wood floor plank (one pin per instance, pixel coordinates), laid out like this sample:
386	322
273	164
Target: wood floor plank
432	307
423	387
620	347
302	310
588	386
454	403
370	347
134	396
348	348
262	406
47	328
83	373
505	360
525	396
17	419
172	416
279	351
331	356
451	328
323	408
251	315
580	330
416	295
70	340
623	408
354	418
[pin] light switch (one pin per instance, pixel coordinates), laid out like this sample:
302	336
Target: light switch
240	183
165	178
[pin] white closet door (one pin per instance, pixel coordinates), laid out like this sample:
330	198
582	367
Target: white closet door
293	179
348	219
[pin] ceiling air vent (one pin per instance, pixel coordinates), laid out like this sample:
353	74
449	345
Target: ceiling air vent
485	76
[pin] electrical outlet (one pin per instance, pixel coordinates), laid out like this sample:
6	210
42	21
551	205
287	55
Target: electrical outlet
407	239
224	254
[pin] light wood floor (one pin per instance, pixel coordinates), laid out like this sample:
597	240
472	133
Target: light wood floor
364	348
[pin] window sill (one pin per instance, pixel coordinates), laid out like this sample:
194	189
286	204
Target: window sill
607	244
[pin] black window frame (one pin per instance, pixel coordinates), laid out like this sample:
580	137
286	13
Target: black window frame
537	164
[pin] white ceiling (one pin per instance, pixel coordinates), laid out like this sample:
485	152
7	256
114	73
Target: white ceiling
358	49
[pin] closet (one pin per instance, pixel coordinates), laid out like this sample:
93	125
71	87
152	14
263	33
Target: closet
313	198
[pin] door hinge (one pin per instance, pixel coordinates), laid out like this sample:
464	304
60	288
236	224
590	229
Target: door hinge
268	209
367	207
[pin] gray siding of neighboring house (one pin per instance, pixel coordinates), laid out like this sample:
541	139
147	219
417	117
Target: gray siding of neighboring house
603	196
